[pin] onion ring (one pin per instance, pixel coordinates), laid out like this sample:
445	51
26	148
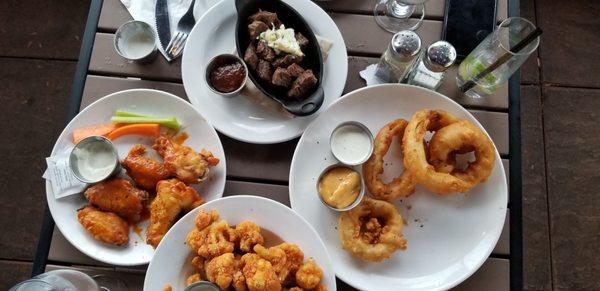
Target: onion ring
415	153
401	186
462	137
372	230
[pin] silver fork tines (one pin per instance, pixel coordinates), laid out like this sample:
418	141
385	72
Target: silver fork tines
176	45
185	25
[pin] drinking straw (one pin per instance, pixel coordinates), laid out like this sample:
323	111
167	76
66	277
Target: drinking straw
501	60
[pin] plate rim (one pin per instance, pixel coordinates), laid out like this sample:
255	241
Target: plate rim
396	86
87	108
338	92
263	200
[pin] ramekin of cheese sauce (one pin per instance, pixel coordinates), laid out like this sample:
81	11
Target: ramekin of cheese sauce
94	159
340	187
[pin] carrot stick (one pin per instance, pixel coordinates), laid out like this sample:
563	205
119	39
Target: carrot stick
148	129
96	129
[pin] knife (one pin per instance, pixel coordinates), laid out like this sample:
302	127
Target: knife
163	27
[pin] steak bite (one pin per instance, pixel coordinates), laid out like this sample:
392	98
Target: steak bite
285	61
282	78
264	51
295	70
302	84
264	70
301	39
250	56
256	27
266	17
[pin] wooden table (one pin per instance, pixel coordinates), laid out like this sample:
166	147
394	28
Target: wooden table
263	169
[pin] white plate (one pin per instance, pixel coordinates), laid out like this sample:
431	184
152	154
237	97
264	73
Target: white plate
238	117
171	263
201	135
449	237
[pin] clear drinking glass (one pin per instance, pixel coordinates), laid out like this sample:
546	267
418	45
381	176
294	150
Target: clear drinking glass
506	35
70	280
394	15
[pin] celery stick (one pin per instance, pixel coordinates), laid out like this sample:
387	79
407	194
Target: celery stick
124	113
170	122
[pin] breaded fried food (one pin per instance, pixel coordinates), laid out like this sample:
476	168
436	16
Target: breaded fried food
372	230
248	234
182	161
193	279
104	226
145	171
217	239
277	258
119	196
172	198
220	270
309	275
259	274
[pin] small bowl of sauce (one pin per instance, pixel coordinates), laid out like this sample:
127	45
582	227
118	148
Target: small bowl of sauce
94	159
226	74
340	187
351	143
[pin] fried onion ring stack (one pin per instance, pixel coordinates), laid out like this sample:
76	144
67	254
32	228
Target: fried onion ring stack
401	186
372	231
457	136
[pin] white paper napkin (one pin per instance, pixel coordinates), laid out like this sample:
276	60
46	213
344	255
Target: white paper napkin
368	74
61	179
144	10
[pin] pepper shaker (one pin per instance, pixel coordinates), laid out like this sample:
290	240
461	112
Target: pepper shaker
429	71
400	56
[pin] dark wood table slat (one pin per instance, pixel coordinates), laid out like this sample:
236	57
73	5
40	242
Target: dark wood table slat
434	9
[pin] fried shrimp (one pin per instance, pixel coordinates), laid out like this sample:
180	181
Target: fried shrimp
462	137
372	231
248	234
403	185
309	275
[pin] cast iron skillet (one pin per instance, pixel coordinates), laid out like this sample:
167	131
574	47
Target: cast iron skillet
312	54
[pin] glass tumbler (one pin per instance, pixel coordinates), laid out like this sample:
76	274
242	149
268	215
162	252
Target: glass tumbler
511	31
395	15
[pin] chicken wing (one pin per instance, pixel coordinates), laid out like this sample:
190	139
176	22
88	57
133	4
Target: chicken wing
172	197
117	195
145	171
104	226
182	161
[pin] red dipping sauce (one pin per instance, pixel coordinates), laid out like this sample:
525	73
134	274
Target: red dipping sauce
227	75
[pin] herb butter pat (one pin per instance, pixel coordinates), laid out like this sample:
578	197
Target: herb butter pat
282	39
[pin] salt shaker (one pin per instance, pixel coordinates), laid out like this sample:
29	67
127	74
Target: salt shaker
401	54
429	71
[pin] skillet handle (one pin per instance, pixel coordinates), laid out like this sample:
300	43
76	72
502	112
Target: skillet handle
308	106
240	5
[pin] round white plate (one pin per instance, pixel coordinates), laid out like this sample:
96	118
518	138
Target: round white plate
171	263
239	117
449	237
201	135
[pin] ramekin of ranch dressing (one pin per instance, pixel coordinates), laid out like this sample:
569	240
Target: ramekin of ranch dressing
351	143
94	159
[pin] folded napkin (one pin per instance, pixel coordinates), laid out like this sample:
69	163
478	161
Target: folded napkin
368	74
145	10
251	92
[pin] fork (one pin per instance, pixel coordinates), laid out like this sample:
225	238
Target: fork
185	25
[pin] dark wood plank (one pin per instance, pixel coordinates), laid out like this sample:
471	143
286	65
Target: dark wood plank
434	9
42	29
493	275
114	13
105	60
572	136
13	272
34	99
537	274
